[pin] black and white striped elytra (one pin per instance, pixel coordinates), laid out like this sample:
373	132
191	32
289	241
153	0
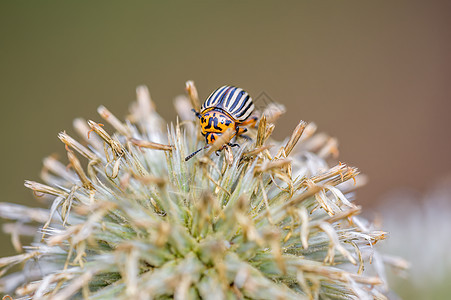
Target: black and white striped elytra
233	100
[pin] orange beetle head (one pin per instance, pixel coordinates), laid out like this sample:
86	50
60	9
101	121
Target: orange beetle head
211	137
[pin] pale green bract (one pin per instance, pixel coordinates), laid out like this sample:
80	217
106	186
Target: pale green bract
130	219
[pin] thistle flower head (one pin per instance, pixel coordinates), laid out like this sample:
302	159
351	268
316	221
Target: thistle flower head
131	219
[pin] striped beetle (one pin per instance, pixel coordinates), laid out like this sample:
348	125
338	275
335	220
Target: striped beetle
228	107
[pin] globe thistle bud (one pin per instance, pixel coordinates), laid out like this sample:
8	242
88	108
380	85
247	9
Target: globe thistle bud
131	219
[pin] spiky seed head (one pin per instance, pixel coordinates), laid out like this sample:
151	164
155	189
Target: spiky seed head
131	219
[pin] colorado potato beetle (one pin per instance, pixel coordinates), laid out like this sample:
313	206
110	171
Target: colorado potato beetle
228	107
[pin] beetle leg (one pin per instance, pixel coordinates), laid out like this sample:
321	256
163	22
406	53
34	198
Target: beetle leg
198	115
240	130
233	145
252	122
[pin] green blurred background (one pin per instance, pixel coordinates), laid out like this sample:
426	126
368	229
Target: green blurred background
374	74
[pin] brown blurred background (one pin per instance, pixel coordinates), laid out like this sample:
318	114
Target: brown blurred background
374	74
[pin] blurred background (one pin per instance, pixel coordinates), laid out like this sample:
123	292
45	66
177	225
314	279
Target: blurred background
374	74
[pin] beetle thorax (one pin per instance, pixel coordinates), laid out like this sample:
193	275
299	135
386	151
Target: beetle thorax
216	121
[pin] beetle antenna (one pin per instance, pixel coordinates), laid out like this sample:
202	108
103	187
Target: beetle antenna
195	152
196	113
